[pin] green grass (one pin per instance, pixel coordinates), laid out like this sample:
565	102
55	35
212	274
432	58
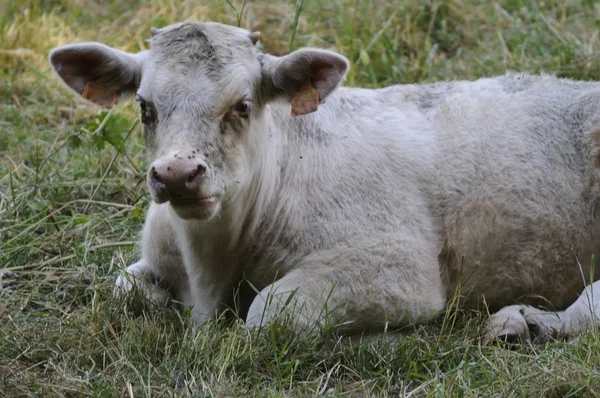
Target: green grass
73	198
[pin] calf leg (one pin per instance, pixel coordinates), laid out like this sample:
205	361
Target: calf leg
522	322
584	314
139	276
389	281
160	274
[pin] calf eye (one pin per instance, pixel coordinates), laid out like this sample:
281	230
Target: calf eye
242	109
147	112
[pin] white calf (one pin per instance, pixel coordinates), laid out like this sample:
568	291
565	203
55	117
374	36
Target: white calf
362	207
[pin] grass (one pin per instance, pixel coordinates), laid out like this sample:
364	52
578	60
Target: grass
73	198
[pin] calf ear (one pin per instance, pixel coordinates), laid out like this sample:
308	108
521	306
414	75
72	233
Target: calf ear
97	72
307	77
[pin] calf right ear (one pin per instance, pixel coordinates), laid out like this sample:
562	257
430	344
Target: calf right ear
306	77
98	73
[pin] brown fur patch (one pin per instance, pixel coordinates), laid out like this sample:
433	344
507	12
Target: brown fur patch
595	142
449	268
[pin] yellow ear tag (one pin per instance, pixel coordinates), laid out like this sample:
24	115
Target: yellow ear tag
305	101
99	94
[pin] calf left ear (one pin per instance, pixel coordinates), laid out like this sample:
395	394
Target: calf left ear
307	77
97	72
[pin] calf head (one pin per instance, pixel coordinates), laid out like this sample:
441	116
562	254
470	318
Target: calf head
203	91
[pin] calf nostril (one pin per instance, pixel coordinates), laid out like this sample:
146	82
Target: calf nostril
199	170
155	175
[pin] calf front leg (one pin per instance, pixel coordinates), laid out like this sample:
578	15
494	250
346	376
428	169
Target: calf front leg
140	277
388	281
160	274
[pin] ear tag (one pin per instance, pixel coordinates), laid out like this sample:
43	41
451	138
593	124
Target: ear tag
99	94
254	37
305	101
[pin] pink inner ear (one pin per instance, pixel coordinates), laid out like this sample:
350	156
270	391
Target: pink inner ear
327	77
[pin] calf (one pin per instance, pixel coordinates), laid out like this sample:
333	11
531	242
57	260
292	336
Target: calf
360	208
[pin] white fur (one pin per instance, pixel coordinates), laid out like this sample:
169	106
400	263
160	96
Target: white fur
375	209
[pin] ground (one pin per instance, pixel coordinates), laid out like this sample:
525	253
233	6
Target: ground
73	198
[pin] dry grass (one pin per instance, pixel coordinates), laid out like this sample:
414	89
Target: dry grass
72	200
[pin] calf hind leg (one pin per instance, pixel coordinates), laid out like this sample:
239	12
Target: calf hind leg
584	314
522	322
517	323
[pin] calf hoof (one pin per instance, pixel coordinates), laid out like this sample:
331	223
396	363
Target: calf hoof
137	279
507	326
519	323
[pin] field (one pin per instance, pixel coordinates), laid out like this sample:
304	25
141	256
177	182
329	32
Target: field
73	199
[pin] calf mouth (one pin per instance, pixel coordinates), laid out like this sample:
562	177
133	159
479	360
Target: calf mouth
197	208
200	202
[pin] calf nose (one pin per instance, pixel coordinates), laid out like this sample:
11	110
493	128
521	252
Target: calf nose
175	178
